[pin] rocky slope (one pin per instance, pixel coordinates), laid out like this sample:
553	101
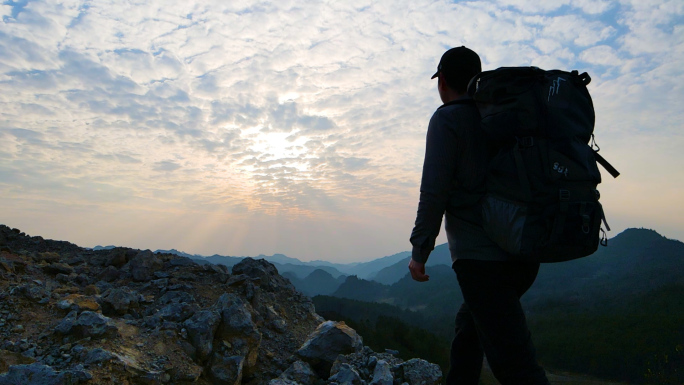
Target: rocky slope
70	315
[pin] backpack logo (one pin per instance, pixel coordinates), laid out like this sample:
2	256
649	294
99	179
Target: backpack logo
555	87
560	169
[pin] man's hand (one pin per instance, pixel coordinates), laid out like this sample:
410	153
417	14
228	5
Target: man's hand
417	270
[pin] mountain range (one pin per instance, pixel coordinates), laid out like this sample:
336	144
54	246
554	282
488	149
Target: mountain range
616	314
635	260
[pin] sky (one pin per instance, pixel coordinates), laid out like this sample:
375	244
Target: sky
298	127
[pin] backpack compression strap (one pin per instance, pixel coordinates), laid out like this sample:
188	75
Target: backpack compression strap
603	162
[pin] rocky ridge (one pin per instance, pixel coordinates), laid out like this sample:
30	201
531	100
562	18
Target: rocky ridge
70	315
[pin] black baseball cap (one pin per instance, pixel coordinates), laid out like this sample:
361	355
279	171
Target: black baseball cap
459	59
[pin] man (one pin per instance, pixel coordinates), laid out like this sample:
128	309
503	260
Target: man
491	321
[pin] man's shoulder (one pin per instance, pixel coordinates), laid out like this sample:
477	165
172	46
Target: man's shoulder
466	102
462	111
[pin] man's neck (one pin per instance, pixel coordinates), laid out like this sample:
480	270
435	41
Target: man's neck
452	95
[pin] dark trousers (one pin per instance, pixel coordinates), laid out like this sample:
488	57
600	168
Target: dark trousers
491	322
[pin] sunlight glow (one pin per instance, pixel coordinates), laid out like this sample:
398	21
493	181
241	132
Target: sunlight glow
279	146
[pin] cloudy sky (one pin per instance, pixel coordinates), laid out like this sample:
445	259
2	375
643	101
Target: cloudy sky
298	127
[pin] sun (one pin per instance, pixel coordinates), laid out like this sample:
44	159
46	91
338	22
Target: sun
279	145
278	148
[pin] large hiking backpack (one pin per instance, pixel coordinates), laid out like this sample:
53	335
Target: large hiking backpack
541	203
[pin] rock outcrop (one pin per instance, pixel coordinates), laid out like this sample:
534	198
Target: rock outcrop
70	315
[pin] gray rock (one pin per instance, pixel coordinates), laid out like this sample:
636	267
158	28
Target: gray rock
161	274
236	322
201	328
117	258
329	340
237	280
67	323
98	355
79	350
82	280
58	268
143	266
300	372
64	304
263	271
153	322
103	286
177	312
346	375
119	301
236	316
226	370
382	375
32	292
418	372
176	297
372	361
160	283
392	352
87	324
109	274
38	374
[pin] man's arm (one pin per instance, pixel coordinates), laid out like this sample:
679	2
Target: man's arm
438	178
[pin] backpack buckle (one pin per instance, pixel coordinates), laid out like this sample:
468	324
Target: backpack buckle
585	223
526	141
564	195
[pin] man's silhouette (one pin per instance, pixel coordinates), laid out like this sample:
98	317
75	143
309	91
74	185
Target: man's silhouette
491	320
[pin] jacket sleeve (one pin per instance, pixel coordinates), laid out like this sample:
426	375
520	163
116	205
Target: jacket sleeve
438	180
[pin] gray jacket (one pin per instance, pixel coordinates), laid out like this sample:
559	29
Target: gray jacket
456	161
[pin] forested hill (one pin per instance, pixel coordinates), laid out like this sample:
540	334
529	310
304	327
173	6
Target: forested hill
617	314
635	262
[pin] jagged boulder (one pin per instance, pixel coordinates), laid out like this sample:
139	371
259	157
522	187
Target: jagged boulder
201	328
226	370
299	372
87	324
117	257
58	268
109	274
143	266
346	375
177	312
327	342
263	272
382	373
418	372
237	324
33	291
97	355
119	301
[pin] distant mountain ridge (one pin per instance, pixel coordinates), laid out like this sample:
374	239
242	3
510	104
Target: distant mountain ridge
636	261
393	268
301	269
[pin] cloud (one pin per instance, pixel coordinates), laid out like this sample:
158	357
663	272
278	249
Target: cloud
166	166
305	110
